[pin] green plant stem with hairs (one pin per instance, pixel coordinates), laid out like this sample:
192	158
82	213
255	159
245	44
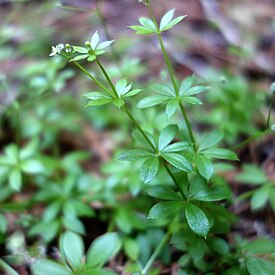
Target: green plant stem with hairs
172	76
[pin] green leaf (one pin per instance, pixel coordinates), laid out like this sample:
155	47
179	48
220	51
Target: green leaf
133	92
166	136
46	230
164	89
73	224
32	166
135	154
151	101
205	166
173	23
102	249
12	153
172	106
192	100
220	153
186	84
197	220
219	245
149	169
163	192
260	246
140	138
51	211
209	140
121	87
3	224
212	193
94	40
30	149
147	23
195	90
80	49
131	248
252	175
97	99
79	57
257	266
164	209
42	267
92	57
166	19
178	161
118	102
104	44
15	179
72	248
176	147
260	197
141	30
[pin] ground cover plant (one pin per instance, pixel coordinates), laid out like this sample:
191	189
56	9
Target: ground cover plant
161	196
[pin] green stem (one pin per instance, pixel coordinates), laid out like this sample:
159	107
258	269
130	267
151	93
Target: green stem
155	254
136	124
92	77
173	178
269	111
107	77
172	76
7	268
248	140
133	120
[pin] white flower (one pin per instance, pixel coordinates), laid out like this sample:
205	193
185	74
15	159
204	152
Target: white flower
57	50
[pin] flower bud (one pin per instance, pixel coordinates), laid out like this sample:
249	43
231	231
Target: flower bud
68	48
88	44
272	128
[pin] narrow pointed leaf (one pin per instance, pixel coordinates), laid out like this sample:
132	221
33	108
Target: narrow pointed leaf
134	155
163	192
15	179
104	45
192	100
220	153
209	140
173	23
196	219
141	30
42	267
195	90
166	19
166	136
94	40
147	23
149	169
172	106
72	247
80	49
186	84
178	161
164	209
133	92
80	57
102	249
205	166
177	147
151	101
98	99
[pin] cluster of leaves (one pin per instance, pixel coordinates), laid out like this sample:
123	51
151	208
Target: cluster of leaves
265	191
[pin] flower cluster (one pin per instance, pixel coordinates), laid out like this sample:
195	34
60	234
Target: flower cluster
59	48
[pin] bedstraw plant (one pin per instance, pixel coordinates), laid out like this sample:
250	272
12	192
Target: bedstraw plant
195	220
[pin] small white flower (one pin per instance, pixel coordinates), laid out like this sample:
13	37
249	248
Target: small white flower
57	50
60	48
54	51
